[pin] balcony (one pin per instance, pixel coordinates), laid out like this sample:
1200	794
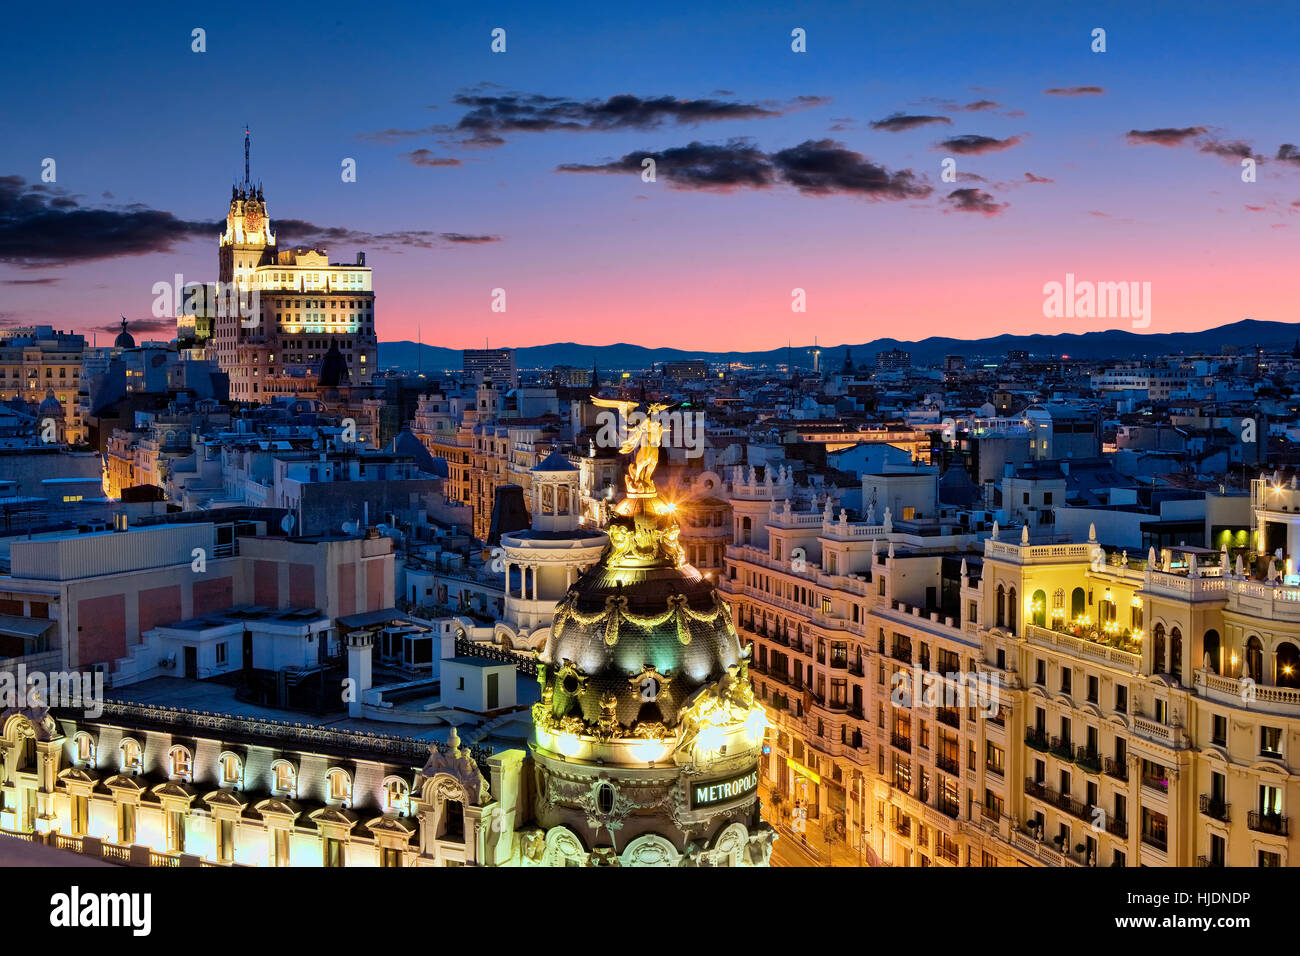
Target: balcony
1061	748
1037	740
903	826
1117	826
902	743
1117	768
903	654
992	814
1158	840
1207	861
947	764
1273	823
1214	808
948	716
1158	784
1088	759
949	809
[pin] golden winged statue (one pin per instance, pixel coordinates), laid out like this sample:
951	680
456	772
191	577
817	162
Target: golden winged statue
644	437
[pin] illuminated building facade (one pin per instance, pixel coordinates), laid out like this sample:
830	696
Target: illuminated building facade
304	305
39	363
1120	710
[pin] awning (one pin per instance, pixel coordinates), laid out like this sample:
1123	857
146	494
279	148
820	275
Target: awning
24	628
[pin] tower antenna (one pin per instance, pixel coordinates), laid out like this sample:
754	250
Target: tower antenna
247	134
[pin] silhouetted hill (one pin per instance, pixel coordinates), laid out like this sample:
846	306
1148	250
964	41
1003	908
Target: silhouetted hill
1110	343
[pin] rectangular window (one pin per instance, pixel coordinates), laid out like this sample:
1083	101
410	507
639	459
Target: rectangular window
280	848
226	841
333	852
1270	741
126	824
1219	730
176	831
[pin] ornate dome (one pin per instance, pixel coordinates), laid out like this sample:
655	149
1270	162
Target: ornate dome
124	338
641	633
51	405
639	642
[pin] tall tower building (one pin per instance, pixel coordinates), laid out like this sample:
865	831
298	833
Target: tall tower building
293	305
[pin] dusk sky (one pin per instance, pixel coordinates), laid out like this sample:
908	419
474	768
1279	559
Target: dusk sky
775	170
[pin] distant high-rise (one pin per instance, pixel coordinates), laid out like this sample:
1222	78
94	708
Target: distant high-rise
491	365
302	305
893	359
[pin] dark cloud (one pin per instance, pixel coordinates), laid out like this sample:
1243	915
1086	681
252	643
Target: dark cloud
980	105
1288	153
491	116
898	122
459	237
43	226
301	234
46	281
1075	91
1236	150
139	326
815	167
425	157
1031	178
822	167
1165	135
734	164
974	200
973	145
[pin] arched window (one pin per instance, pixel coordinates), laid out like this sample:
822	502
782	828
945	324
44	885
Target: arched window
286	778
182	762
1287	662
340	785
1011	610
1002	607
1213	652
1158	649
1176	653
1038	608
131	755
232	770
1254	659
1078	604
397	796
85	745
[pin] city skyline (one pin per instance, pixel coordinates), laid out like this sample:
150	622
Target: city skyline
777	170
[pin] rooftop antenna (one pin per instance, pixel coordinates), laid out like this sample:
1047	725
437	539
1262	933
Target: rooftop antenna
247	134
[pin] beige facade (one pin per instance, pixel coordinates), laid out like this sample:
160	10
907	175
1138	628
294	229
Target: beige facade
1133	713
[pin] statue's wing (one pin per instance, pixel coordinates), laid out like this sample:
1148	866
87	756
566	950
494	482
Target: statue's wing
623	407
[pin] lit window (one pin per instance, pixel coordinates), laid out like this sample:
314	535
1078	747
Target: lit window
130	756
285	777
340	786
181	762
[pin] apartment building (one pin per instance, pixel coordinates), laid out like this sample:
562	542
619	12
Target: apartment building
1104	709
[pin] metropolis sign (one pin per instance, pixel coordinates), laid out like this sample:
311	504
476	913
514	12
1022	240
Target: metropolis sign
714	792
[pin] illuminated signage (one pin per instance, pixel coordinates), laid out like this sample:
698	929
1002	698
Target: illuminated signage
714	792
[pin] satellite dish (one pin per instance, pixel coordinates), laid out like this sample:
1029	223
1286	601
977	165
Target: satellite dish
286	523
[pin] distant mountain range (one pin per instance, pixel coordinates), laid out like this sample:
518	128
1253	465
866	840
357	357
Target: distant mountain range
1111	343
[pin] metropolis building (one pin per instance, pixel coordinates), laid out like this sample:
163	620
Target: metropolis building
644	751
304	305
